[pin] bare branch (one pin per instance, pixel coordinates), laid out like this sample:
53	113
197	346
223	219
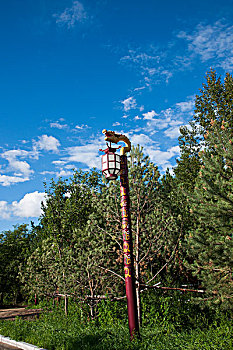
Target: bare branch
114	239
171	257
114	273
173	288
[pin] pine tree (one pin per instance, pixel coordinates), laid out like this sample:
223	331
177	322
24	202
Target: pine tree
213	113
211	241
214	103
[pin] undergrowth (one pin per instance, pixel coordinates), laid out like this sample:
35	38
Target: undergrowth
169	322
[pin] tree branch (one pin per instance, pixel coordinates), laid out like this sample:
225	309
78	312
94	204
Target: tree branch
173	288
171	257
114	273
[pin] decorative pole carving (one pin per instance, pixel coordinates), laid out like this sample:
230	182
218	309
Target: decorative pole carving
111	136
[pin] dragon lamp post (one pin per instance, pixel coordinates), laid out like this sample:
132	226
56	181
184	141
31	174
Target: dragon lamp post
112	165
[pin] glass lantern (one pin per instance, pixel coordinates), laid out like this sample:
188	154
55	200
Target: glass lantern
111	163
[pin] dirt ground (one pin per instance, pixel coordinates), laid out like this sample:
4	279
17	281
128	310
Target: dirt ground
11	313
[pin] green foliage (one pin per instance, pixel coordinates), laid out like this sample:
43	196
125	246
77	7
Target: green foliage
188	164
181	225
204	174
173	311
154	228
15	247
68	205
112	312
54	331
210	241
68	254
215	103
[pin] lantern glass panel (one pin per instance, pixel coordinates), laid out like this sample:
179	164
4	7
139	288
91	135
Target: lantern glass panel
104	158
111	171
112	165
111	157
118	165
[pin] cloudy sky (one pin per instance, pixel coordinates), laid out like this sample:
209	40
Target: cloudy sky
69	69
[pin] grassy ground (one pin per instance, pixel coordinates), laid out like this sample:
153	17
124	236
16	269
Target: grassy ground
164	330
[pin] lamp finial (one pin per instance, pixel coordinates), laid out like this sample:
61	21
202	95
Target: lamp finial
111	136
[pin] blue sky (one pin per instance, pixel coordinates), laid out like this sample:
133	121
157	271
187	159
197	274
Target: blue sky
69	69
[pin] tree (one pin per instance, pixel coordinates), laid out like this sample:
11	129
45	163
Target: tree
66	261
68	205
155	232
15	247
81	253
215	103
212	120
210	241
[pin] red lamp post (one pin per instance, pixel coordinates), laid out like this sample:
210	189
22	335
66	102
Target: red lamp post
112	165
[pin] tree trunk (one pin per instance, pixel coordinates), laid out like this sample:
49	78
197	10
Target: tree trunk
66	305
92	296
137	271
1	298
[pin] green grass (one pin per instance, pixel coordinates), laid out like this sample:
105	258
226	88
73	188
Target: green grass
54	333
165	327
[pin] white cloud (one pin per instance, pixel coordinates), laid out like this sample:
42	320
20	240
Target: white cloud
58	125
160	123
64	173
81	127
6	180
129	103
71	16
187	106
171	118
140	58
21	167
139	88
116	124
18	170
141	139
4	210
150	63
152	149
58	162
149	115
212	42
47	143
87	154
46	172
162	158
29	205
173	132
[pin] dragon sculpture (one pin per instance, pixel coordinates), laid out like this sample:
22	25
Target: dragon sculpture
111	136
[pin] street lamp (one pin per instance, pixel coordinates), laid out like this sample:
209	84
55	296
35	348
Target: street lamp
111	163
111	169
